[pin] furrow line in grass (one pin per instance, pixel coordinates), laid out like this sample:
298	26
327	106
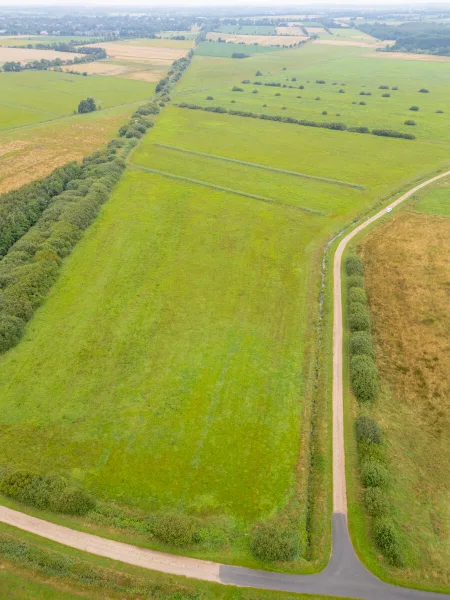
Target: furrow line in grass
226	189
264	167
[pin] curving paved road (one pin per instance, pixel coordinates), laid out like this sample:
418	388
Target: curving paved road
345	575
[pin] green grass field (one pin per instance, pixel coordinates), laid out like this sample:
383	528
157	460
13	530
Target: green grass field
30	97
348	71
435	201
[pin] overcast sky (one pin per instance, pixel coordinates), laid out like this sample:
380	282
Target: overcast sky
269	3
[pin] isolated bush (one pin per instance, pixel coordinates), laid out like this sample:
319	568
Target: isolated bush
355	281
258	74
235	88
367	430
255	92
357	295
341	91
364	377
175	529
278	94
414	108
386	538
209	98
393	134
383	87
324	112
320	81
233	102
239	55
395	88
354	265
424	91
361	343
272	542
298	96
385	95
317	97
376	502
368	451
440	112
362	104
301	87
374	474
410	122
246	81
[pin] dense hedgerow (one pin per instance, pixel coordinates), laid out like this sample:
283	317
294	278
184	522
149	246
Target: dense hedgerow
273	542
368	451
354	265
361	343
20	209
175	530
393	134
358	317
367	430
355	281
46	492
374	474
363	377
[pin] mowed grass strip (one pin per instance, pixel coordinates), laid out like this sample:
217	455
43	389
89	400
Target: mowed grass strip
167	360
249	164
222	188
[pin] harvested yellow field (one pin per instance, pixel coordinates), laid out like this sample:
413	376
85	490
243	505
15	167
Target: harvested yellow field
155	55
99	68
262	40
314	29
26	55
289	31
149	75
407	56
161	42
333	42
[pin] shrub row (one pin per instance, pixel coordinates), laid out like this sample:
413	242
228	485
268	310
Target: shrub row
292	120
21	208
275	542
50	492
364	381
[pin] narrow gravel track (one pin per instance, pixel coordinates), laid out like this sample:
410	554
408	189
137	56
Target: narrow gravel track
345	575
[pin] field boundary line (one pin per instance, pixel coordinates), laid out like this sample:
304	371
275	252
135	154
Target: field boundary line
257	166
225	189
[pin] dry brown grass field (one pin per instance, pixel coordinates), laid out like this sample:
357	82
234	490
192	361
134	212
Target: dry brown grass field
408	282
156	55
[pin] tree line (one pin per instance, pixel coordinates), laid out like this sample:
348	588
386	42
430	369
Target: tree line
324	125
91	55
420	37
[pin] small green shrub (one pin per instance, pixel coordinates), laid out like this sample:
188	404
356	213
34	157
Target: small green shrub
272	542
374	474
74	501
354	265
235	88
385	95
317	97
376	502
358	317
357	295
278	94
324	112
386	538
355	281
363	377
383	87
369	451
367	430
255	92
410	122
424	91
209	98
395	88
341	91
440	112
361	343
414	108
175	530
362	104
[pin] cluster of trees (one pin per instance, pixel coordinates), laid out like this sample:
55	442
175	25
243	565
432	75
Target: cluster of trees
364	381
294	121
65	209
87	106
239	55
45	64
50	492
422	37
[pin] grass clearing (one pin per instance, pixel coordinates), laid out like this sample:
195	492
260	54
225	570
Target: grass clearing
407	279
434	201
226	50
260	40
27	93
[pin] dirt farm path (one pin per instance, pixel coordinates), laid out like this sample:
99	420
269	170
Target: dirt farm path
345	575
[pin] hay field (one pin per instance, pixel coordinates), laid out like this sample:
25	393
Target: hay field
407	274
331	41
290	31
349	72
26	55
155	55
160	43
263	40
